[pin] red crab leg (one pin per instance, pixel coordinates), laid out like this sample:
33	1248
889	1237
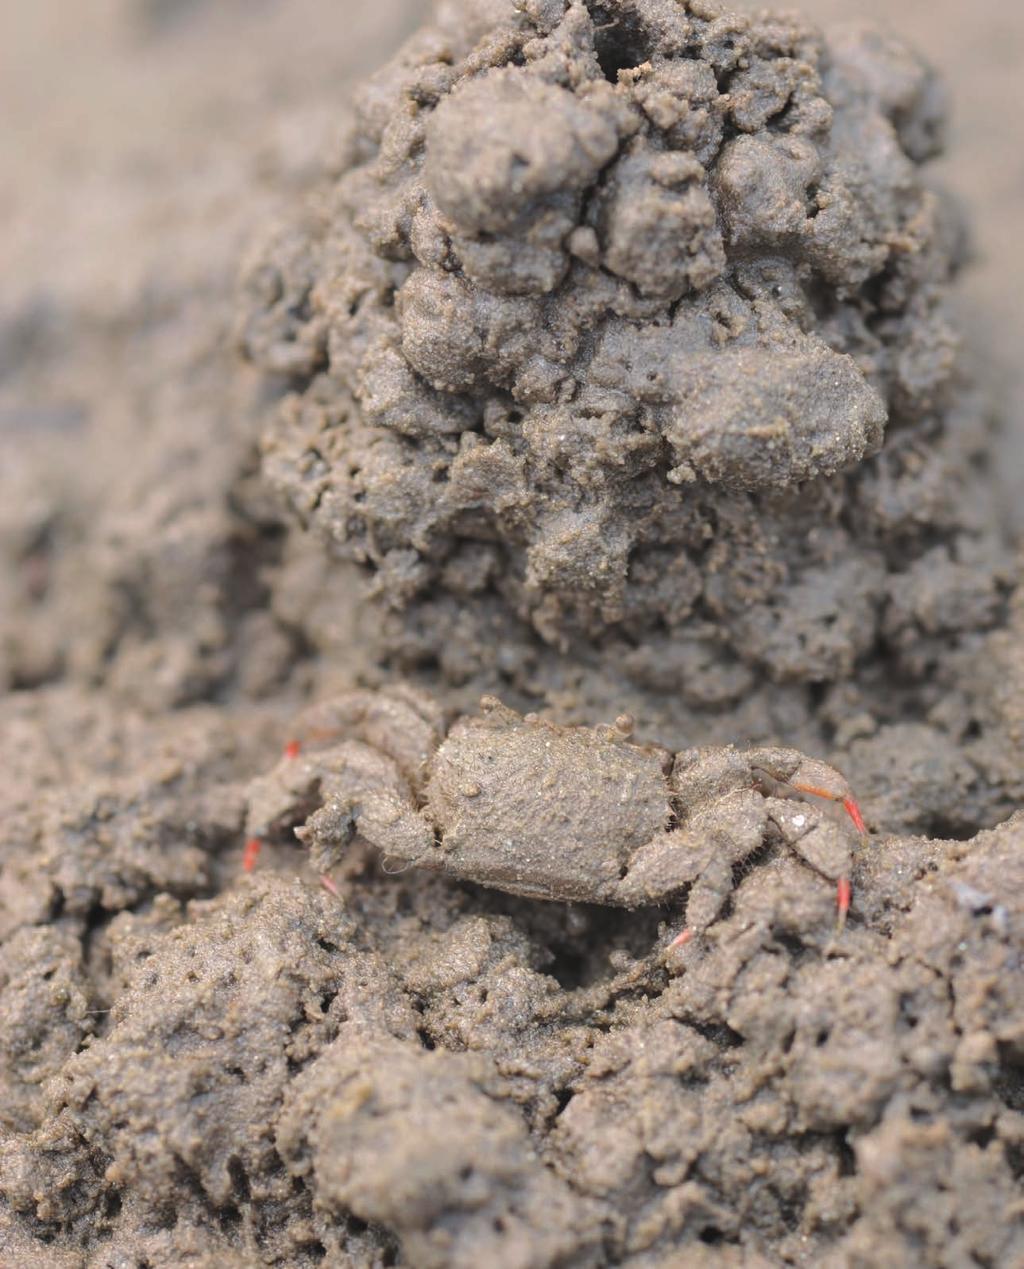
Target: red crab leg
251	853
844	891
848	803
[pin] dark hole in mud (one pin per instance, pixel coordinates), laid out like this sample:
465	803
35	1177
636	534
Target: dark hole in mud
619	41
717	1033
712	1236
426	1039
792	944
564	1098
569	969
1009	1084
581	957
239	1180
577	941
949	830
847	1158
228	1218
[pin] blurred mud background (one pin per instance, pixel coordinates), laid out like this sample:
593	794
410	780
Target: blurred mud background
129	128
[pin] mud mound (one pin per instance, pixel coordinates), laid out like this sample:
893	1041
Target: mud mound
598	301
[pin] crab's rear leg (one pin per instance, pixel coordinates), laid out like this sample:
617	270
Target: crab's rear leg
401	722
356	788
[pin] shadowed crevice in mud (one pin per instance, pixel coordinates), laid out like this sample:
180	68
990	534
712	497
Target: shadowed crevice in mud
621	42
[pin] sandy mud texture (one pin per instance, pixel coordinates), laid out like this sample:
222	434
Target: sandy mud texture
604	367
620	349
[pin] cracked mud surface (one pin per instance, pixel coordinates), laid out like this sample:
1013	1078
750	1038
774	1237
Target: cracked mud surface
452	475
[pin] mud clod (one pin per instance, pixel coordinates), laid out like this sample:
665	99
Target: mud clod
614	271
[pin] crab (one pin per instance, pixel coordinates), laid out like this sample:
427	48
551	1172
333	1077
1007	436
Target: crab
573	814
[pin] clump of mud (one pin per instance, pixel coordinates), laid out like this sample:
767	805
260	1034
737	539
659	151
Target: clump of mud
600	330
620	362
613	352
424	1072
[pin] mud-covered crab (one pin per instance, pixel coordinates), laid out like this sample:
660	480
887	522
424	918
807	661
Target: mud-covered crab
575	814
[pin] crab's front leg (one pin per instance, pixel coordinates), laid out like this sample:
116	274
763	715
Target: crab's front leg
772	765
820	842
779	769
721	821
725	809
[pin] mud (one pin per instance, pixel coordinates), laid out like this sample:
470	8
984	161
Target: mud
592	385
627	430
607	362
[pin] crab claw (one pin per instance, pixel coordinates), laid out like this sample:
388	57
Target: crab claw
810	776
844	889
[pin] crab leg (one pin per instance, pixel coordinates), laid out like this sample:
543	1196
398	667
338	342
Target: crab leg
844	889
